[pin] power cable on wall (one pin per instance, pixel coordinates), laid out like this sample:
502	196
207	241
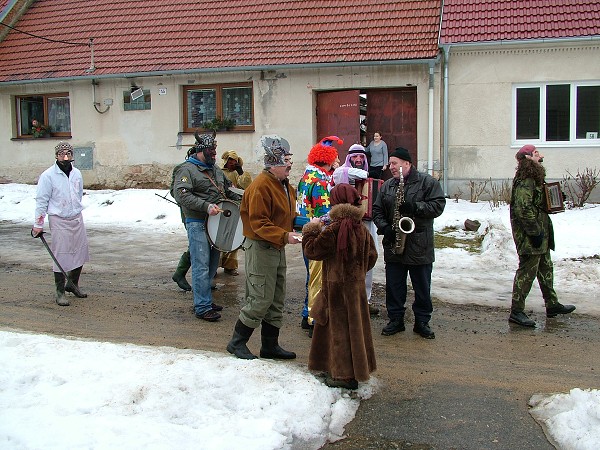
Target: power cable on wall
44	38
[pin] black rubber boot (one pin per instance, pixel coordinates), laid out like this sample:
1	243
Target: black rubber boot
74	276
181	271
59	280
270	348
237	345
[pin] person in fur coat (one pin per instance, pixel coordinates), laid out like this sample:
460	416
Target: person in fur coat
342	343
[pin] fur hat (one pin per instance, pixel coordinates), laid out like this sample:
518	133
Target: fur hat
401	153
526	150
323	151
233	155
276	149
63	147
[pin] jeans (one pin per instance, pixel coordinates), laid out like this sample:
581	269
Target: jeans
205	261
396	289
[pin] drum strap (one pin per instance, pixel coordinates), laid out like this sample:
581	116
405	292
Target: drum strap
215	184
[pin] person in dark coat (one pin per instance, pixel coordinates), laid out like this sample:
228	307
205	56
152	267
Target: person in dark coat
342	344
423	201
534	238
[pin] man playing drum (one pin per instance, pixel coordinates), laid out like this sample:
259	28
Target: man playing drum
198	185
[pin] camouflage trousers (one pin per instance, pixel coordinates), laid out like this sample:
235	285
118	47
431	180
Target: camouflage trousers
530	268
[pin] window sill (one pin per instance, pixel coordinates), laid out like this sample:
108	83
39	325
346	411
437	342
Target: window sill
48	138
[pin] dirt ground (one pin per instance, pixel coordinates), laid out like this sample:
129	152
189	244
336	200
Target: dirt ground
467	389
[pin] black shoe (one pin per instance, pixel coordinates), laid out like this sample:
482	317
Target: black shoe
559	309
346	384
210	316
520	318
216	307
393	327
422	329
304	324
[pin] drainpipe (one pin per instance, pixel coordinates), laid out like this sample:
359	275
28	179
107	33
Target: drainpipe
430	124
446	49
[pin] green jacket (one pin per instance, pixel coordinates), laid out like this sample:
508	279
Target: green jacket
528	217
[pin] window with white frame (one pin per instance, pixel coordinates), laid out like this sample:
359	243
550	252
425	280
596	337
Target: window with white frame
557	113
205	103
49	110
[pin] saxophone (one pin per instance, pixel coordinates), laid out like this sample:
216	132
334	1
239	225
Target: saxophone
402	225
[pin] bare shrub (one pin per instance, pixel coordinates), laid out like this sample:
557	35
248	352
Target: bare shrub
477	188
458	194
579	187
500	193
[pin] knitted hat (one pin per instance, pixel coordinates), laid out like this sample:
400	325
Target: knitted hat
233	155
526	150
401	153
63	147
323	151
203	142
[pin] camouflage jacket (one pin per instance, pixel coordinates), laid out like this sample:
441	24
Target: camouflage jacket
529	218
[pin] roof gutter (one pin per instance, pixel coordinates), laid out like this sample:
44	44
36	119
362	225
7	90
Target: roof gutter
91	76
505	42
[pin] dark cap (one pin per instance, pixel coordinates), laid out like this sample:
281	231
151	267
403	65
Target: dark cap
402	153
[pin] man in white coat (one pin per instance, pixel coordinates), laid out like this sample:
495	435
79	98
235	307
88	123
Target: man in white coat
59	195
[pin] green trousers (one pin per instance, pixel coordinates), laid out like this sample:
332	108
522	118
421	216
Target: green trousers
530	268
265	284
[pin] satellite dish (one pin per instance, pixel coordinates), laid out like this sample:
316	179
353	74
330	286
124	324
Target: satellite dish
137	94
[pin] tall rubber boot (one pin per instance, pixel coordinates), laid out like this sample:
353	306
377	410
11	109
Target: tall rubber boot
181	271
74	276
59	280
237	345
270	348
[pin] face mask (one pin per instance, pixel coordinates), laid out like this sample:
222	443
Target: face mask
64	164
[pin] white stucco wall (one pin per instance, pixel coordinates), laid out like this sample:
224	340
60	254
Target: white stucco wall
481	81
144	141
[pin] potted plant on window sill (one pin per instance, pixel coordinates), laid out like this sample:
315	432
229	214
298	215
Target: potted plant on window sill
39	130
218	124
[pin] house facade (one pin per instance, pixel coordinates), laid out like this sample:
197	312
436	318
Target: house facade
461	85
519	73
131	98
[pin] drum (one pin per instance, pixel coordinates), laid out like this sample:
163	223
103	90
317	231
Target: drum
368	190
224	230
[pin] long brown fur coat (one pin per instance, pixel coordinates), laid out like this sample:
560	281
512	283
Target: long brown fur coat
342	343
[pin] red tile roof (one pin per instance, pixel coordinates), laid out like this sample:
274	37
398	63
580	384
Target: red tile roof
494	20
149	36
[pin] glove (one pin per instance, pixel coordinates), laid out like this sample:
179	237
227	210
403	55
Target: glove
239	169
407	208
536	241
389	234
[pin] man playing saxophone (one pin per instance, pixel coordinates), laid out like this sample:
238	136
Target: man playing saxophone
421	199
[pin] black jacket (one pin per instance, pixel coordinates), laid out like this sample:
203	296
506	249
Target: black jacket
428	197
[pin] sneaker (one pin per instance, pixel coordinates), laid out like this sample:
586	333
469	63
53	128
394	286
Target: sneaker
304	324
209	316
520	318
423	330
393	327
559	309
346	384
216	307
373	310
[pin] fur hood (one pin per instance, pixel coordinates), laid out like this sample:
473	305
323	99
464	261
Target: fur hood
345	210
